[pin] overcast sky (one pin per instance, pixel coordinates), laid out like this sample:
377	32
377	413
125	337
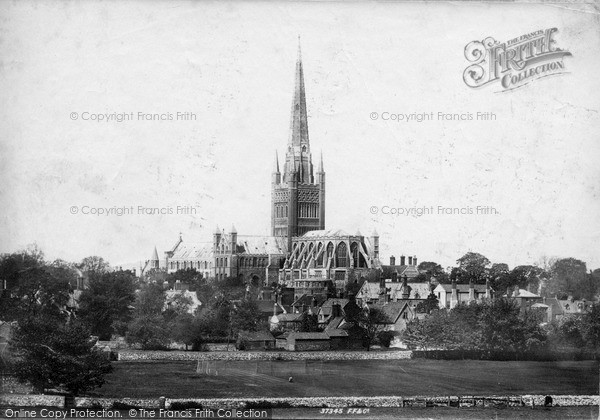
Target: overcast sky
232	65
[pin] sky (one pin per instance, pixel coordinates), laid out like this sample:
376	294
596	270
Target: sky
231	64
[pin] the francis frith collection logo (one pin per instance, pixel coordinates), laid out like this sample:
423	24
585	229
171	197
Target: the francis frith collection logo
516	62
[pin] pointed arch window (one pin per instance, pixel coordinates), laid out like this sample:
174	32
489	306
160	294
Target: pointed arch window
342	255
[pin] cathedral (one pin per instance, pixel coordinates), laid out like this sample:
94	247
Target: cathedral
300	252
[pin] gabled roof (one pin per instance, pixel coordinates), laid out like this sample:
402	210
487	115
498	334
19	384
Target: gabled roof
261	245
371	290
201	251
393	310
335	323
336	332
266	306
290	317
308	336
307	300
256	336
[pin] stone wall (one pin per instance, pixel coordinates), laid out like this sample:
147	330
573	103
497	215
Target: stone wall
133	355
309	402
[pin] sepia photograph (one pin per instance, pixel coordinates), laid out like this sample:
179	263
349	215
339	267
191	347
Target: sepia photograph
299	209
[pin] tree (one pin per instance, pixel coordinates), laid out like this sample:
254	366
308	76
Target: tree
568	277
428	305
473	267
150	331
187	276
309	323
246	316
51	354
431	271
39	290
150	300
106	304
94	265
372	320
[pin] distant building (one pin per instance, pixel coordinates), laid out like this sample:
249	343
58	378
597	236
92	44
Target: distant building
256	258
450	295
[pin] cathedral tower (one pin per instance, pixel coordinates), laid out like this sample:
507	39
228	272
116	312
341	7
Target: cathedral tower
297	197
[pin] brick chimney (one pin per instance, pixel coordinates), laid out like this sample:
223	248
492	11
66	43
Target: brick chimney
394	276
392	260
454	295
471	291
410	261
405	288
415	260
402	260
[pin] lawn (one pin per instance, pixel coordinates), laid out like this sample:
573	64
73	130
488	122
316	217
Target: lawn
349	378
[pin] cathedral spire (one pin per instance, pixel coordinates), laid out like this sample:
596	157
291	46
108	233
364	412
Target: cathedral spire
299	123
276	162
321	163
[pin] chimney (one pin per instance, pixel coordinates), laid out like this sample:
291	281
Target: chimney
454	295
393	260
471	291
415	260
314	302
402	260
336	310
405	288
394	276
410	261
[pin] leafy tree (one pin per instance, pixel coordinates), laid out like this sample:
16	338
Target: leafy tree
179	304
310	323
568	277
150	331
39	290
372	320
94	266
107	302
431	271
428	305
51	354
189	276
246	316
150	300
473	267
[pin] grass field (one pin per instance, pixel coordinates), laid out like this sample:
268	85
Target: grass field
352	378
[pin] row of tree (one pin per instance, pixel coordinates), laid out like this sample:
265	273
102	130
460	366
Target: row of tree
559	277
500	325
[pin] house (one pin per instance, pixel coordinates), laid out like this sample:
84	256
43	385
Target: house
450	295
307	341
330	309
550	308
290	322
570	306
255	340
399	313
391	290
524	298
308	302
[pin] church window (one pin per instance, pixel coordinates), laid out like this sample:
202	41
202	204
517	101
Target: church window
342	255
225	262
329	251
